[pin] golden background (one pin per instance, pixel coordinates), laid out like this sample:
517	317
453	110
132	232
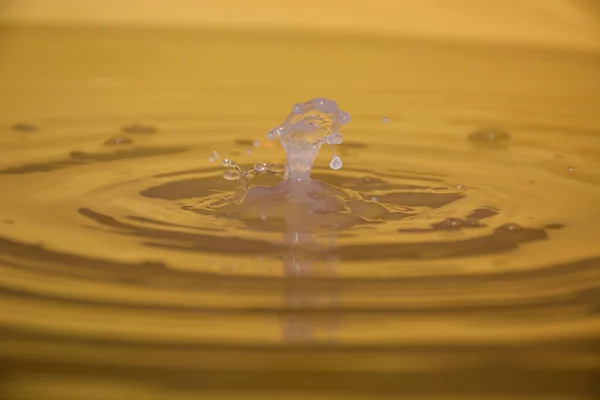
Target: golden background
85	328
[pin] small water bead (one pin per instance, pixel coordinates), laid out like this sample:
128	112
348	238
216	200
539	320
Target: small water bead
336	163
248	151
256	143
334	138
570	169
227	163
344	117
385	120
452	223
231	175
511	227
117	141
490	138
213	157
274	133
374	199
260	167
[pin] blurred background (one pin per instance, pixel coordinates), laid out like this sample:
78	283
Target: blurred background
560	23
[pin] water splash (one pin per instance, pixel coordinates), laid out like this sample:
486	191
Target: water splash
310	125
306	129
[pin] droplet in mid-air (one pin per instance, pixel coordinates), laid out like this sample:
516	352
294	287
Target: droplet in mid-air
570	169
213	157
336	163
385	120
227	163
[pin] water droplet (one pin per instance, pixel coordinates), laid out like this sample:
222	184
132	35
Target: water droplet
490	138
570	169
256	143
511	227
260	167
385	120
459	187
336	163
325	105
248	151
227	163
297	108
231	175
273	133
344	117
24	127
374	199
118	140
213	157
452	223
334	138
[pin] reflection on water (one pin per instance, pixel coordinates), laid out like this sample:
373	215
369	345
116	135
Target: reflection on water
453	255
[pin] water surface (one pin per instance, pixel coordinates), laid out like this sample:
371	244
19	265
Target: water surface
462	263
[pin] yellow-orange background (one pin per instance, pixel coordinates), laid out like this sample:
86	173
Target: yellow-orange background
564	23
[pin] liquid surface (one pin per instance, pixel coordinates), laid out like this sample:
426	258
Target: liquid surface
453	255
